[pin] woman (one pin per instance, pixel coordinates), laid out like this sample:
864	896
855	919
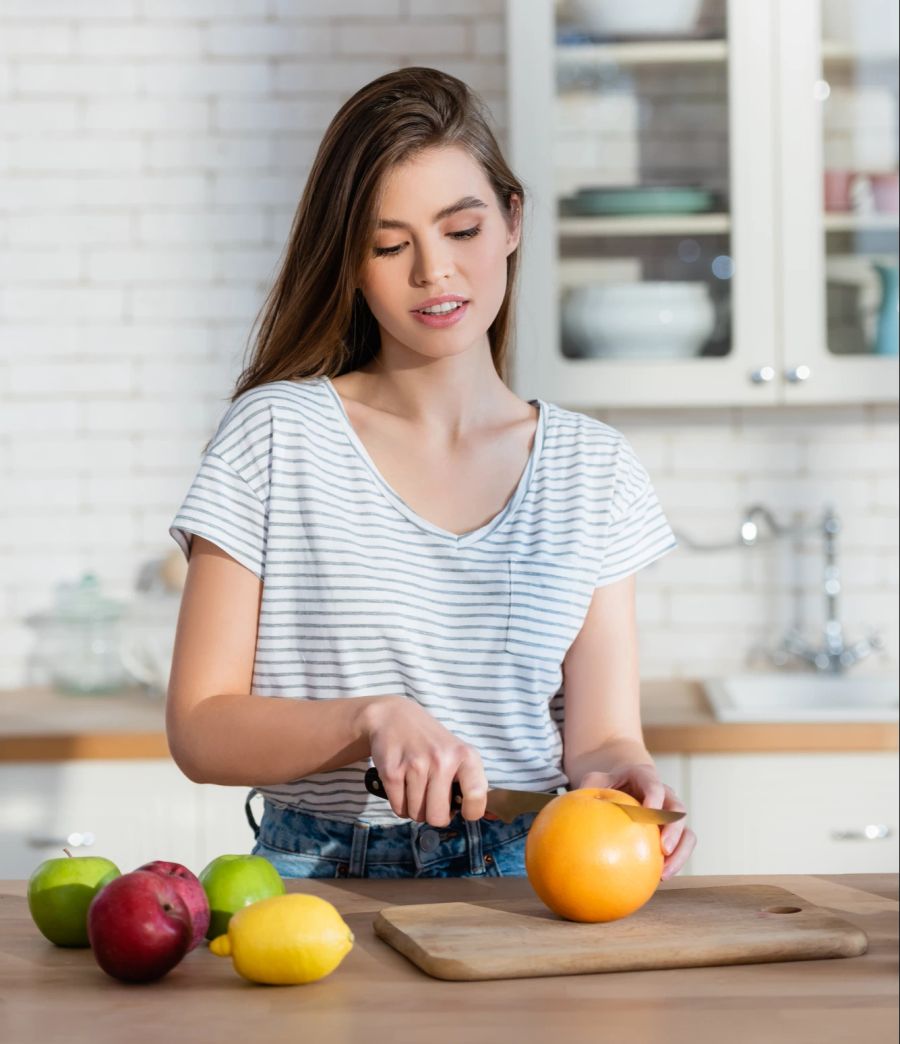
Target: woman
402	552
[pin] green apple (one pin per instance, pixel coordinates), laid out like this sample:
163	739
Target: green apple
60	892
232	882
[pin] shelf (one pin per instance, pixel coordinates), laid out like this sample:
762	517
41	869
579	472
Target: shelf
646	225
861	222
663	52
837	52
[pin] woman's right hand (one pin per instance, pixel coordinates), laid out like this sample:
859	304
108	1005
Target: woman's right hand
418	759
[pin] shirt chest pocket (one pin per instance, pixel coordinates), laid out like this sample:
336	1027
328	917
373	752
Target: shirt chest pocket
549	597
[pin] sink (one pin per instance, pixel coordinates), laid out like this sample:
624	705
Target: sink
789	696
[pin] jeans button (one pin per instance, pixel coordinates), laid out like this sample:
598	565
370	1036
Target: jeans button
429	840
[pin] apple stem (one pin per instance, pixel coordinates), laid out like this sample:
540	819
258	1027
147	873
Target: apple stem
68	853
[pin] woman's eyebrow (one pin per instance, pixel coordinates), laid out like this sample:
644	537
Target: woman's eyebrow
466	203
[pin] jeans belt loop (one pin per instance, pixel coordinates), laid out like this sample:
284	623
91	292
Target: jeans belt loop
248	812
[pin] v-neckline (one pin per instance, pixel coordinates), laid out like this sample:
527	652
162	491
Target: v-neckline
459	539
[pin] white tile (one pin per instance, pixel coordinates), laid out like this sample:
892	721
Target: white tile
146	114
70	229
40	265
267	39
70	378
77	152
343	9
66	78
315	74
227	225
146	264
82	302
196	10
140	38
198	302
393	38
191	78
36	39
242	152
26	116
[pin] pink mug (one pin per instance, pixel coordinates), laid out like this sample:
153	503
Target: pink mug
886	190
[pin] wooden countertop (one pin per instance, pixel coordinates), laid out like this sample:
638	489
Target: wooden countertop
42	725
54	995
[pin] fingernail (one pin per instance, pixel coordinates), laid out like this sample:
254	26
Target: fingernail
668	846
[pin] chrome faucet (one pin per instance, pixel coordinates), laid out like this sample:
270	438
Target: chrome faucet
834	656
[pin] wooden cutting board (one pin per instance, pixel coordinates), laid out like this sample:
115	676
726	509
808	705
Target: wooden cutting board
678	928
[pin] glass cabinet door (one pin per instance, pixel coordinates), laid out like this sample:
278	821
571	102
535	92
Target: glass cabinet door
643	129
641	180
839	198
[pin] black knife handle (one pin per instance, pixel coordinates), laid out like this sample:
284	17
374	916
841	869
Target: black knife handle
376	787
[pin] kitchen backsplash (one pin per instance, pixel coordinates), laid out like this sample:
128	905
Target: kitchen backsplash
154	152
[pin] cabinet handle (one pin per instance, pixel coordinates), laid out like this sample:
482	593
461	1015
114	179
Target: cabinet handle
872	832
798	374
74	840
763	375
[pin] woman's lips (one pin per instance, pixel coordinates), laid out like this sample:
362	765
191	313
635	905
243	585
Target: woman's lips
440	321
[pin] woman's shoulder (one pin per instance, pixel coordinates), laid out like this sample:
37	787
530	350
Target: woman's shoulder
580	431
248	418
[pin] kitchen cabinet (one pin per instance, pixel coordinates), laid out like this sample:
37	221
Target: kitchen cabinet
753	813
131	811
713	211
794	813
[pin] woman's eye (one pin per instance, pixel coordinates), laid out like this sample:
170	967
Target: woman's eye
468	233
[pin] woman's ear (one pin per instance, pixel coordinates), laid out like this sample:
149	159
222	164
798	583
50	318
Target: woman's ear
515	230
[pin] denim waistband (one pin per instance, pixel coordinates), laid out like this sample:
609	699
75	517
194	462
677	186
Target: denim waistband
354	846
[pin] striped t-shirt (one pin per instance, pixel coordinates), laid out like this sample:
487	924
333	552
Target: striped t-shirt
362	596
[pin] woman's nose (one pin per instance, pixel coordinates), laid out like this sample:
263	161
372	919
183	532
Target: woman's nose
432	264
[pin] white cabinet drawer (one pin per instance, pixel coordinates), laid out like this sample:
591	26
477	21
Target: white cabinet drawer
794	813
131	811
223	828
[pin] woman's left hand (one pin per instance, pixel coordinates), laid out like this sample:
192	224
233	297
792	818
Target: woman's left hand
643	783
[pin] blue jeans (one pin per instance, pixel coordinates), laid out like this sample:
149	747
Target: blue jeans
301	845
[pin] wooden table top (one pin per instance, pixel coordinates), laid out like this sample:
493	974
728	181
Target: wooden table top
50	995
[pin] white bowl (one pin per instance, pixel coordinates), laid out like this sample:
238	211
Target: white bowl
648	320
627	18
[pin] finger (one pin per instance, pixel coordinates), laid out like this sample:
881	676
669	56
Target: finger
671	834
438	812
394	785
416	782
474	787
600	781
680	856
650	788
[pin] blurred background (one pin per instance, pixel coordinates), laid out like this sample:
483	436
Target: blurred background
709	264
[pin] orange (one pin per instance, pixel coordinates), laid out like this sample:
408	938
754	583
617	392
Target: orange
588	861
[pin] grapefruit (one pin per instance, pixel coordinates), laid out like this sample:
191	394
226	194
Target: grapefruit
588	861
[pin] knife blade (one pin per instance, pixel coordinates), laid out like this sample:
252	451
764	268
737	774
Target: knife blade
507	804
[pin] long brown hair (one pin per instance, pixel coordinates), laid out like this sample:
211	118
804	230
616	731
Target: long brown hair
314	321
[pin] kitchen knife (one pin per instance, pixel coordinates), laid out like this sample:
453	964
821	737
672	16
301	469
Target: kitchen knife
507	804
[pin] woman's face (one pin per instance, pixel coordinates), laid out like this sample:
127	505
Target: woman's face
417	254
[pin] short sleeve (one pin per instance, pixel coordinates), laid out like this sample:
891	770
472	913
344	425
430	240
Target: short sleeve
637	532
227	501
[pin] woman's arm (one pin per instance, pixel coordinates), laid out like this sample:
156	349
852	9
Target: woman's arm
602	686
603	742
217	731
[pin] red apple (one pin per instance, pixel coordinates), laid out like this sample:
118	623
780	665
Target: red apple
192	892
139	926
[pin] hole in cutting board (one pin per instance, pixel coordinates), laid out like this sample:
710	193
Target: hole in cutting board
784	909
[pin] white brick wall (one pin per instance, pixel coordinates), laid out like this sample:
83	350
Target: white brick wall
151	154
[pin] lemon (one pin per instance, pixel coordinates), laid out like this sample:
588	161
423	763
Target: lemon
285	939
